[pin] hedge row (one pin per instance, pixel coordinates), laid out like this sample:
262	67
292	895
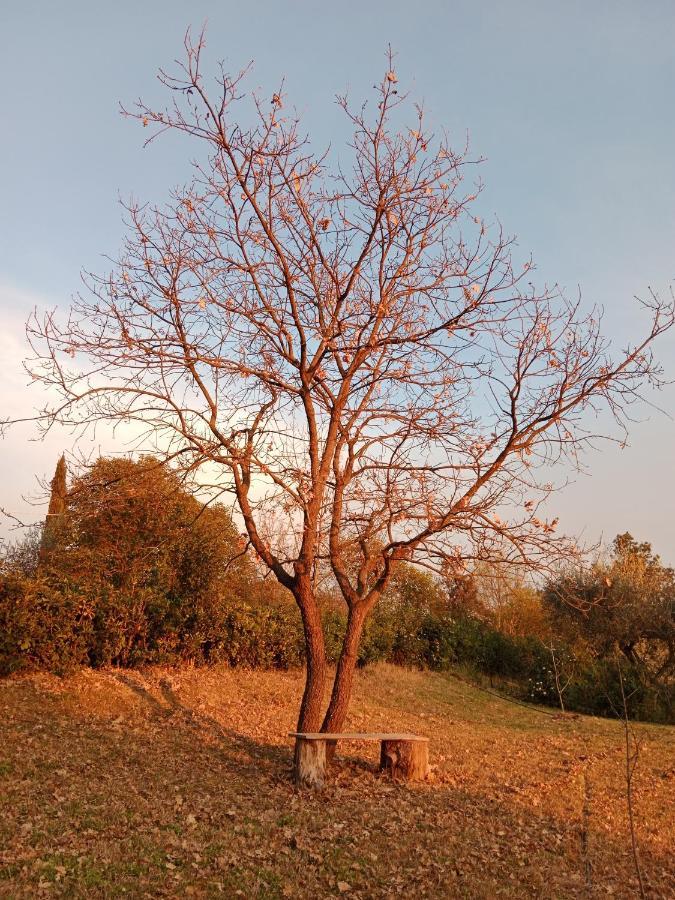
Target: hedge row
57	628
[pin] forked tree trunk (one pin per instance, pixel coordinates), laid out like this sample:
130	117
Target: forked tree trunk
315	677
315	673
344	676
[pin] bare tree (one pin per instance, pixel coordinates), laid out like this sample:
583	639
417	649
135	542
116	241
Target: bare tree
344	345
561	684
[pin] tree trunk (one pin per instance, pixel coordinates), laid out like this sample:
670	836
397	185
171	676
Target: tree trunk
315	678
315	673
344	676
310	763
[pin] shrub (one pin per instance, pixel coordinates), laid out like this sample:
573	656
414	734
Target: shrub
41	627
50	626
259	637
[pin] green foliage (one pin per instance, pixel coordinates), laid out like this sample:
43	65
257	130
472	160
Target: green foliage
260	637
134	527
42	626
59	489
622	607
595	689
141	573
58	501
151	571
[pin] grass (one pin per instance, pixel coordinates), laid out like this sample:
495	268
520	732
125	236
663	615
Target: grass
175	783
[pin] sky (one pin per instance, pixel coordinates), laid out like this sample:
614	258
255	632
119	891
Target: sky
570	104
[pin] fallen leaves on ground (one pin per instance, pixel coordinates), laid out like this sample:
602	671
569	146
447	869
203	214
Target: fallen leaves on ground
173	783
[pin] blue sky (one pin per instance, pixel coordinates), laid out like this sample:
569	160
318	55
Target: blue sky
571	104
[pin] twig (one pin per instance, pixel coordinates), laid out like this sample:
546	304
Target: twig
585	831
632	755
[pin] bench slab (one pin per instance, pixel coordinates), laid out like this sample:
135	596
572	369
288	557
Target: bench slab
353	736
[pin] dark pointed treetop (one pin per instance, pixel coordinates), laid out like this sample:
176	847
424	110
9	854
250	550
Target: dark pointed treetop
57	499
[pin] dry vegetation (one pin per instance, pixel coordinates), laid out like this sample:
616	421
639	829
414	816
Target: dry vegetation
169	783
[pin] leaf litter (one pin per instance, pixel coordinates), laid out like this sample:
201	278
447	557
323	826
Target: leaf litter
173	783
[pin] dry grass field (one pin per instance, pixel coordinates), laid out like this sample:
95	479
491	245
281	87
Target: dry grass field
175	783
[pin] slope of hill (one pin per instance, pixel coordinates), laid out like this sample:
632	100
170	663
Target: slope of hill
173	783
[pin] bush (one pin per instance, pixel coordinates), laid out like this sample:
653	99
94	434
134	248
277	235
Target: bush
41	627
51	627
126	627
49	621
258	637
467	641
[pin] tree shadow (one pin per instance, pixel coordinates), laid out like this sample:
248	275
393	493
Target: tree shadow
270	754
275	761
156	708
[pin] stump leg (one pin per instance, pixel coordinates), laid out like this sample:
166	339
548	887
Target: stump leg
310	762
408	760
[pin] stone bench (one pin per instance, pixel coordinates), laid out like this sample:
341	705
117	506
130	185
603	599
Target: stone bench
401	755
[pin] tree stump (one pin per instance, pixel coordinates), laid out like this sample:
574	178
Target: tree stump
310	762
408	760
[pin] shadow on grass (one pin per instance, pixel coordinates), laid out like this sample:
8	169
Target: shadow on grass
274	760
271	759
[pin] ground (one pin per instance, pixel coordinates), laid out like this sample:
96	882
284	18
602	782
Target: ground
174	783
